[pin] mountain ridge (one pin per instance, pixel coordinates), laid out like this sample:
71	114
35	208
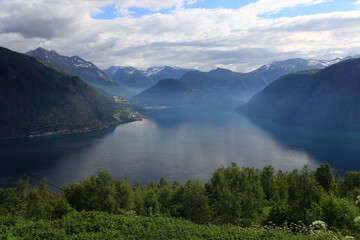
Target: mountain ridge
86	70
142	79
325	98
167	92
38	99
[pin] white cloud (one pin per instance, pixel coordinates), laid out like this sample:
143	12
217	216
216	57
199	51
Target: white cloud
357	2
148	4
238	38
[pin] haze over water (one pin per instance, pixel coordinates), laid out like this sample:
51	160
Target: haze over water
177	144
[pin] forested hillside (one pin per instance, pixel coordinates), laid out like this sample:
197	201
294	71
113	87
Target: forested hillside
39	99
325	98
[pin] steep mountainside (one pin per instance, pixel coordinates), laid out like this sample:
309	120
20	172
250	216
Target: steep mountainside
328	97
167	92
86	70
139	80
224	87
130	77
38	99
158	73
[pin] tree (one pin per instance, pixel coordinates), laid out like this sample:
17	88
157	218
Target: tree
40	203
10	202
124	196
304	191
324	177
97	192
351	185
194	202
151	203
336	212
164	198
139	198
236	195
268	182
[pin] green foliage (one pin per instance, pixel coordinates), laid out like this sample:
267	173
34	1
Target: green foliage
324	177
124	195
336	212
97	192
38	99
36	203
268	182
100	225
164	197
194	202
152	204
236	195
282	202
351	184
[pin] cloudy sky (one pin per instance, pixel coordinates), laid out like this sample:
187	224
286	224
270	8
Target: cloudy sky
236	34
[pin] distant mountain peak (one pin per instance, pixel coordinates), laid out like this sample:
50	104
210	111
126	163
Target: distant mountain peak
221	70
325	98
297	64
153	70
167	92
86	70
54	52
141	79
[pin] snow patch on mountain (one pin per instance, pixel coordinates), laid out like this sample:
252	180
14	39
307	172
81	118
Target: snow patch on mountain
153	70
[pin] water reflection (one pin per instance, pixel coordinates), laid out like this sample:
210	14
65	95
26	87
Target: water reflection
38	155
174	143
339	148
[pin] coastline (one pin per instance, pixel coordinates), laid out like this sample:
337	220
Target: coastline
40	133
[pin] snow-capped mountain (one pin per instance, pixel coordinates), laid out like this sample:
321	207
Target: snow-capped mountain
297	64
153	70
326	98
224	87
86	70
141	79
74	65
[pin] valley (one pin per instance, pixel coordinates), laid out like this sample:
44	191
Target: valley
180	119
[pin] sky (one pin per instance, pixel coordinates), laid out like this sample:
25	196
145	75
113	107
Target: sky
240	35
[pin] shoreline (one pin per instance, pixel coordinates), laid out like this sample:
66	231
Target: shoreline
66	132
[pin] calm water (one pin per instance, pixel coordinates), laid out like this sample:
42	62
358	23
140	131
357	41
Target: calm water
177	144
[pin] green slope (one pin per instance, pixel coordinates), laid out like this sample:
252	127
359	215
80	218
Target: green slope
36	98
325	98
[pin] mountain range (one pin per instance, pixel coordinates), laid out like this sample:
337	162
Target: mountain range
323	98
86	70
167	92
139	80
37	98
222	87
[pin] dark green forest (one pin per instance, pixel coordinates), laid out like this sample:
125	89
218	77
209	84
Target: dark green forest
302	202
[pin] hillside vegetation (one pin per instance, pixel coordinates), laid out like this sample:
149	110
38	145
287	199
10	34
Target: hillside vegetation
37	99
326	98
101	225
235	203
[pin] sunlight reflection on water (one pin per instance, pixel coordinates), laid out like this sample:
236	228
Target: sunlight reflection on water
176	144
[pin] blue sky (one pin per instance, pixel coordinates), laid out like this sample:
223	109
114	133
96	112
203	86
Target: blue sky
110	11
204	34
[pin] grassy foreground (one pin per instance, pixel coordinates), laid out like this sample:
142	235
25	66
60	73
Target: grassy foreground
101	225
